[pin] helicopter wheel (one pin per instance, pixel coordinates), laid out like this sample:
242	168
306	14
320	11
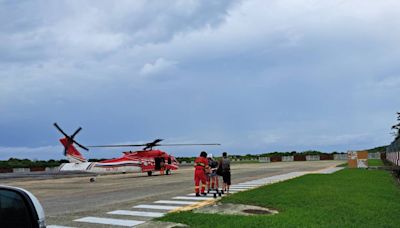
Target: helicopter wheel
149	173
167	172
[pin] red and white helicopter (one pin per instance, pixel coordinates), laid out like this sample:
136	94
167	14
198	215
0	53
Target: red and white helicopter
141	161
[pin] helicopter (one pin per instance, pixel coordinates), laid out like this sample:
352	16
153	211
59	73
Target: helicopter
141	161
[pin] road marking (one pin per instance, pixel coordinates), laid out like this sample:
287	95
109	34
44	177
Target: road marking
236	190
246	184
175	202
242	187
258	183
57	226
137	213
208	194
192	198
159	207
109	221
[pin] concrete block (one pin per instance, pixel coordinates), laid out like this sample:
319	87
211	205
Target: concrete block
312	158
340	157
264	159
52	169
276	159
300	158
21	170
287	158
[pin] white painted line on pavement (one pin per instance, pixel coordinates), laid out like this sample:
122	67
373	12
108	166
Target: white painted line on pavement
249	185
236	190
109	221
238	187
210	195
137	213
57	226
241	187
175	202
256	183
158	207
192	198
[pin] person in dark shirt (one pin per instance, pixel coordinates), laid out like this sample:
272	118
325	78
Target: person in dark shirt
225	166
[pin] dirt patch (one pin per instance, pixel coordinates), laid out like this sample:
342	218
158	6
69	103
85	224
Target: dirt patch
235	209
257	212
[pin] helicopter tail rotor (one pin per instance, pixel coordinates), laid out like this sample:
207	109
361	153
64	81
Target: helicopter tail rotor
70	139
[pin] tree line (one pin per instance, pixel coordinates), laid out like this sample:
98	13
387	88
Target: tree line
26	163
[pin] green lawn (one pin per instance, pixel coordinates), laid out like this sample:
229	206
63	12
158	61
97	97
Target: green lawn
348	198
375	162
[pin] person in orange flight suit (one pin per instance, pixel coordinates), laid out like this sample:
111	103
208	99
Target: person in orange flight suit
200	170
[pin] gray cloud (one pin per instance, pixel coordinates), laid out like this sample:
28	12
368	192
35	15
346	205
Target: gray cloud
254	75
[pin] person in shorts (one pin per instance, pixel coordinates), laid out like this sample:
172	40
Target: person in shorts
225	166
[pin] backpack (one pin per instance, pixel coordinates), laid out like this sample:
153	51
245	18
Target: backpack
212	163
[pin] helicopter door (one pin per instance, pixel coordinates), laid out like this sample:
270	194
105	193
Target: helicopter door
169	160
157	161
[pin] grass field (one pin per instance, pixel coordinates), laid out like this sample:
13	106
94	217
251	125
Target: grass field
371	162
348	198
375	162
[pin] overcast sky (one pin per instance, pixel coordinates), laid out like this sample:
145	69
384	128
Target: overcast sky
256	76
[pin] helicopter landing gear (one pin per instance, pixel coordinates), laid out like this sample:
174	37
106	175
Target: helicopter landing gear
167	172
149	173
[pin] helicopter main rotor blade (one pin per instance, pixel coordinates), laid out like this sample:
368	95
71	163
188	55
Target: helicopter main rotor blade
60	130
180	144
76	132
129	145
191	144
81	146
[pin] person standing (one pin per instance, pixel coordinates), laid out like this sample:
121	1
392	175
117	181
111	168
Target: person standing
200	170
162	166
212	177
225	164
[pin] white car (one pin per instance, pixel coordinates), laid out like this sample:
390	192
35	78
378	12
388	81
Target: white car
20	208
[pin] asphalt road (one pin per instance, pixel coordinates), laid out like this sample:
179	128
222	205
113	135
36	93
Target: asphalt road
66	199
